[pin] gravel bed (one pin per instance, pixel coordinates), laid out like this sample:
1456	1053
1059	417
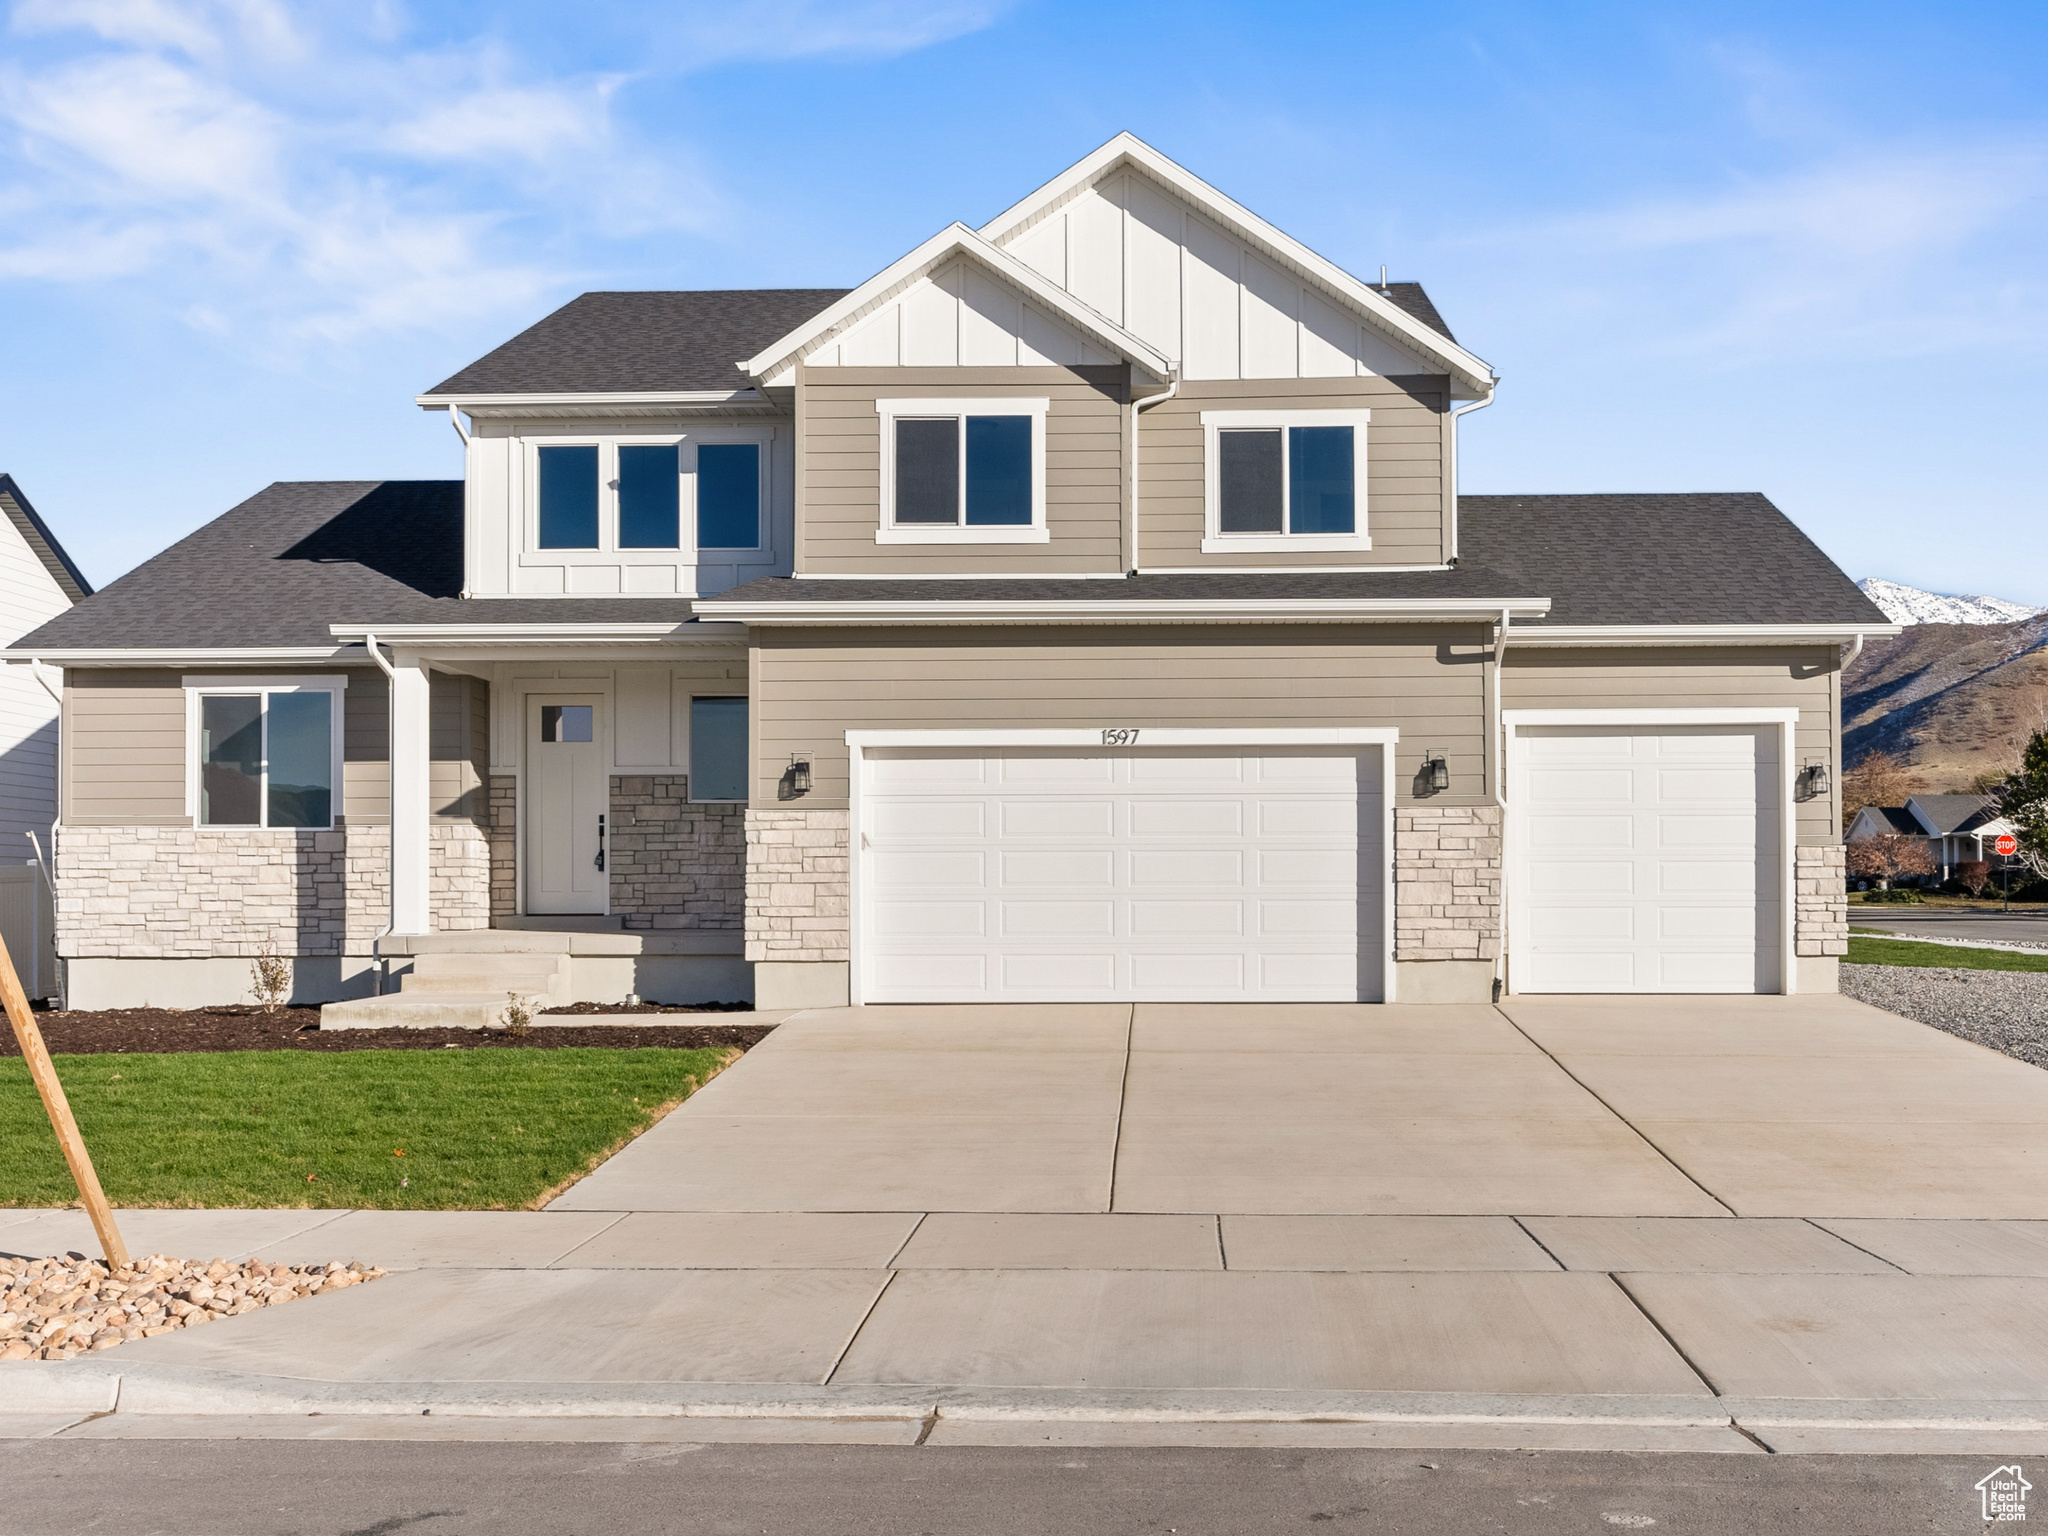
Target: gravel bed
2005	1010
54	1309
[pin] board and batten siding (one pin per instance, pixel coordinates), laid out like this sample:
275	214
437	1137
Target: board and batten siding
812	686
125	758
1406	514
1683	677
839	471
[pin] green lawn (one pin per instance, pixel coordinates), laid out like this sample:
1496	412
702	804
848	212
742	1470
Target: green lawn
393	1130
1863	951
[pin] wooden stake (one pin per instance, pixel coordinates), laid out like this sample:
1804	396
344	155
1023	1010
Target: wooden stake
44	1071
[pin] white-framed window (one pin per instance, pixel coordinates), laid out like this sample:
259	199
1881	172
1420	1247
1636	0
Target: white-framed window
1284	480
647	497
263	751
963	471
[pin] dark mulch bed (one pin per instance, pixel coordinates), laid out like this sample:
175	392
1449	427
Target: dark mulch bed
242	1028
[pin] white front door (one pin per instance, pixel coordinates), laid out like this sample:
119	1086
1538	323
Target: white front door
1648	859
567	801
1043	874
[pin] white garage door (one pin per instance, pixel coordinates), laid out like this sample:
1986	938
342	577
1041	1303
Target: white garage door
1649	860
1032	874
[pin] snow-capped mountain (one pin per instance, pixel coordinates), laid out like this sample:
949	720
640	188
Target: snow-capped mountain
1909	605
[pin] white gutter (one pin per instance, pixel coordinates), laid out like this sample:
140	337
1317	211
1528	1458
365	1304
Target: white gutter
1451	464
1172	389
686	632
1138	611
683	397
1701	634
133	656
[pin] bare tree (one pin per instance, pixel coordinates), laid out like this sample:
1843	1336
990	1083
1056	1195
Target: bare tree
1878	778
1890	856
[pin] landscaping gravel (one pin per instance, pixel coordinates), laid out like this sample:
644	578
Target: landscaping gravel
2005	1010
53	1309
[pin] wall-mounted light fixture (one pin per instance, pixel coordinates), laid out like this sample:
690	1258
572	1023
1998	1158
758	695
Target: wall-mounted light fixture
1437	769
799	773
1816	777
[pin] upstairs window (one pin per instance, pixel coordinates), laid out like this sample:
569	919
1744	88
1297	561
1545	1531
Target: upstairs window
264	756
962	471
1280	480
625	496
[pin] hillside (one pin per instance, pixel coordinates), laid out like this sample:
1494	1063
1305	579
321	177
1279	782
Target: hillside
1951	700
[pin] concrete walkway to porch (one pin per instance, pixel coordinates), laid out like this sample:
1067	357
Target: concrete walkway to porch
1565	1222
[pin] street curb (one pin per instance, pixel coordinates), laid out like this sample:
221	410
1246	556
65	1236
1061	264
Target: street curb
95	1387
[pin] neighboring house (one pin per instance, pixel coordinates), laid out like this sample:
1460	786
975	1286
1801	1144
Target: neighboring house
37	582
1956	828
1082	608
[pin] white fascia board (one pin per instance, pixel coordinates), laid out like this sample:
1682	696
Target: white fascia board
1698	634
171	656
1147	736
955	239
1135	611
1762	715
1240	220
689	632
686	397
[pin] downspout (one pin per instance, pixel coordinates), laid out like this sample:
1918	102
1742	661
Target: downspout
1172	389
390	728
1498	743
1451	474
455	421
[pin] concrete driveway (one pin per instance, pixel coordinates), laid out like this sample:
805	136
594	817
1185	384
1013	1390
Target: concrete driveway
1568	1222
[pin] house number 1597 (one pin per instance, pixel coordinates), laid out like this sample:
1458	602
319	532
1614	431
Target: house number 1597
1120	736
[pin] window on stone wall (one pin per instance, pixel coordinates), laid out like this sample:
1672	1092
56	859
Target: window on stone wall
267	757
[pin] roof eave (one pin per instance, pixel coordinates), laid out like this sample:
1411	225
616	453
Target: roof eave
830	611
1698	634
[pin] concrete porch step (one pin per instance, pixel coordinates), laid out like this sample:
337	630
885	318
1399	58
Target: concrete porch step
591	924
445	1010
545	975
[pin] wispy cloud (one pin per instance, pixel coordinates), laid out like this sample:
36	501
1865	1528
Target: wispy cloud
283	172
1830	255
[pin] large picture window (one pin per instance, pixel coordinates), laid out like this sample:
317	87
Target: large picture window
1285	480
619	496
265	756
970	471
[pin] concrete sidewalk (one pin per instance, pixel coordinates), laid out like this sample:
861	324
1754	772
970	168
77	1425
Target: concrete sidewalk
1652	1223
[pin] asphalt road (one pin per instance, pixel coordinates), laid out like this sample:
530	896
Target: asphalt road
2027	926
250	1488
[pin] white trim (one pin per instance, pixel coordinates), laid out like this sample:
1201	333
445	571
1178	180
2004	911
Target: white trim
955	238
195	688
1216	542
748	396
889	409
1385	737
607	632
1128	149
1786	722
1698	634
171	656
1293	610
1149	736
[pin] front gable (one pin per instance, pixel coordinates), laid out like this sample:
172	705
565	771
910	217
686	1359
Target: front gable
961	316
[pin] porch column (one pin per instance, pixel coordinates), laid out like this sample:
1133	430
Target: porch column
410	810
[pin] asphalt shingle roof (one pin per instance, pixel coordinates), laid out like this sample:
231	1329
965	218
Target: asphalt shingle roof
621	343
1954	813
282	566
1410	297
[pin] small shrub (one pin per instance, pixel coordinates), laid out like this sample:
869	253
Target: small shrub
1898	896
518	1017
1973	875
271	980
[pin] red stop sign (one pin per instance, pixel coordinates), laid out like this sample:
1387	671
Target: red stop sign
2007	845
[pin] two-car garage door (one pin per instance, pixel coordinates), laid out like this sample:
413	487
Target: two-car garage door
1057	874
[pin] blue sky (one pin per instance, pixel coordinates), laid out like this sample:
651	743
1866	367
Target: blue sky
1795	248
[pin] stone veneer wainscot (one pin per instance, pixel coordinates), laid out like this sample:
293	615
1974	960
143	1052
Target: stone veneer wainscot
798	900
1447	882
1822	901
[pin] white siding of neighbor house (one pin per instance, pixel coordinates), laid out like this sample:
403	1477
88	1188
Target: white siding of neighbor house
28	715
962	316
498	562
1135	252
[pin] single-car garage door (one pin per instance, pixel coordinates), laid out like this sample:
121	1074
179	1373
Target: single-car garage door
1648	860
1171	874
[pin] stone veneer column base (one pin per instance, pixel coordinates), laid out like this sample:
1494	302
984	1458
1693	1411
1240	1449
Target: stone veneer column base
1447	891
1821	901
1442	981
802	984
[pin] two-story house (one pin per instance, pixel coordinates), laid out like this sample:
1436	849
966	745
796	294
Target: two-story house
1082	608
